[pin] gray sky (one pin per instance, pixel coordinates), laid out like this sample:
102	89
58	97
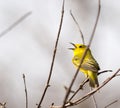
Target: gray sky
28	49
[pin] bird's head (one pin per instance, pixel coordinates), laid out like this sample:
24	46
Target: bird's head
78	49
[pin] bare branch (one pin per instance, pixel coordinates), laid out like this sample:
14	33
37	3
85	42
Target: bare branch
76	73
84	82
15	24
94	100
96	22
56	106
54	55
105	71
118	75
66	88
26	95
111	103
93	91
74	78
80	87
86	96
2	105
80	31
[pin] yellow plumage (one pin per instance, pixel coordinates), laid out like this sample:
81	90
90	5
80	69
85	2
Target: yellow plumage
89	66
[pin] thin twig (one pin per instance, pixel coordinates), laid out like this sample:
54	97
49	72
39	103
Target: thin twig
54	55
15	24
96	22
2	105
76	73
78	101
80	87
94	100
105	71
111	103
66	88
84	82
73	80
80	31
75	102
118	75
26	94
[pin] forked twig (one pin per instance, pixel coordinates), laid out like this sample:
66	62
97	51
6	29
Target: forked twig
15	24
84	82
76	73
80	31
26	94
80	87
95	90
66	88
54	55
2	105
86	96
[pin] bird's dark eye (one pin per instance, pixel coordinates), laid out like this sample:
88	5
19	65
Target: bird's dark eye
80	46
76	58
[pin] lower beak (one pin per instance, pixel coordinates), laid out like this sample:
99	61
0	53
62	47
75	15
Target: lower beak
71	48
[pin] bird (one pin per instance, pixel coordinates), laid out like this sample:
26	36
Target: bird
89	66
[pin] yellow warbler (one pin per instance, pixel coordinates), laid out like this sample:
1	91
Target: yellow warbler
89	65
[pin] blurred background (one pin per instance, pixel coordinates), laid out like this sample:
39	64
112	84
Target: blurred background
28	49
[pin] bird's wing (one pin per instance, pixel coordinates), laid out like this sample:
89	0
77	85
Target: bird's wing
90	64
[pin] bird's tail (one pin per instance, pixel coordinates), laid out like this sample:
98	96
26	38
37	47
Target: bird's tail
93	80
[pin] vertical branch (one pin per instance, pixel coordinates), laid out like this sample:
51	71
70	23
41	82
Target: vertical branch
15	24
96	22
86	96
76	73
80	87
80	31
54	55
92	35
94	100
26	95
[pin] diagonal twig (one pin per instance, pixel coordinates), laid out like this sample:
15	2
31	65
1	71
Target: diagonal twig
54	55
111	103
90	41
80	87
15	24
96	22
86	96
105	71
80	31
84	82
26	94
95	90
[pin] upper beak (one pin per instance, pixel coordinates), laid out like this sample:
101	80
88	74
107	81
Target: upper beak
73	45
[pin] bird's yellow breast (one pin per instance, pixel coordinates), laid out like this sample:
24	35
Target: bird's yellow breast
76	61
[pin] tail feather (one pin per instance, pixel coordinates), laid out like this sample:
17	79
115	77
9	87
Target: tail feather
93	80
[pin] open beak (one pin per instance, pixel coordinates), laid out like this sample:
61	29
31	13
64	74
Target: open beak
73	45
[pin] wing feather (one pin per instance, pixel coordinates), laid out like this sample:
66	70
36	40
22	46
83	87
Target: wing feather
88	64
